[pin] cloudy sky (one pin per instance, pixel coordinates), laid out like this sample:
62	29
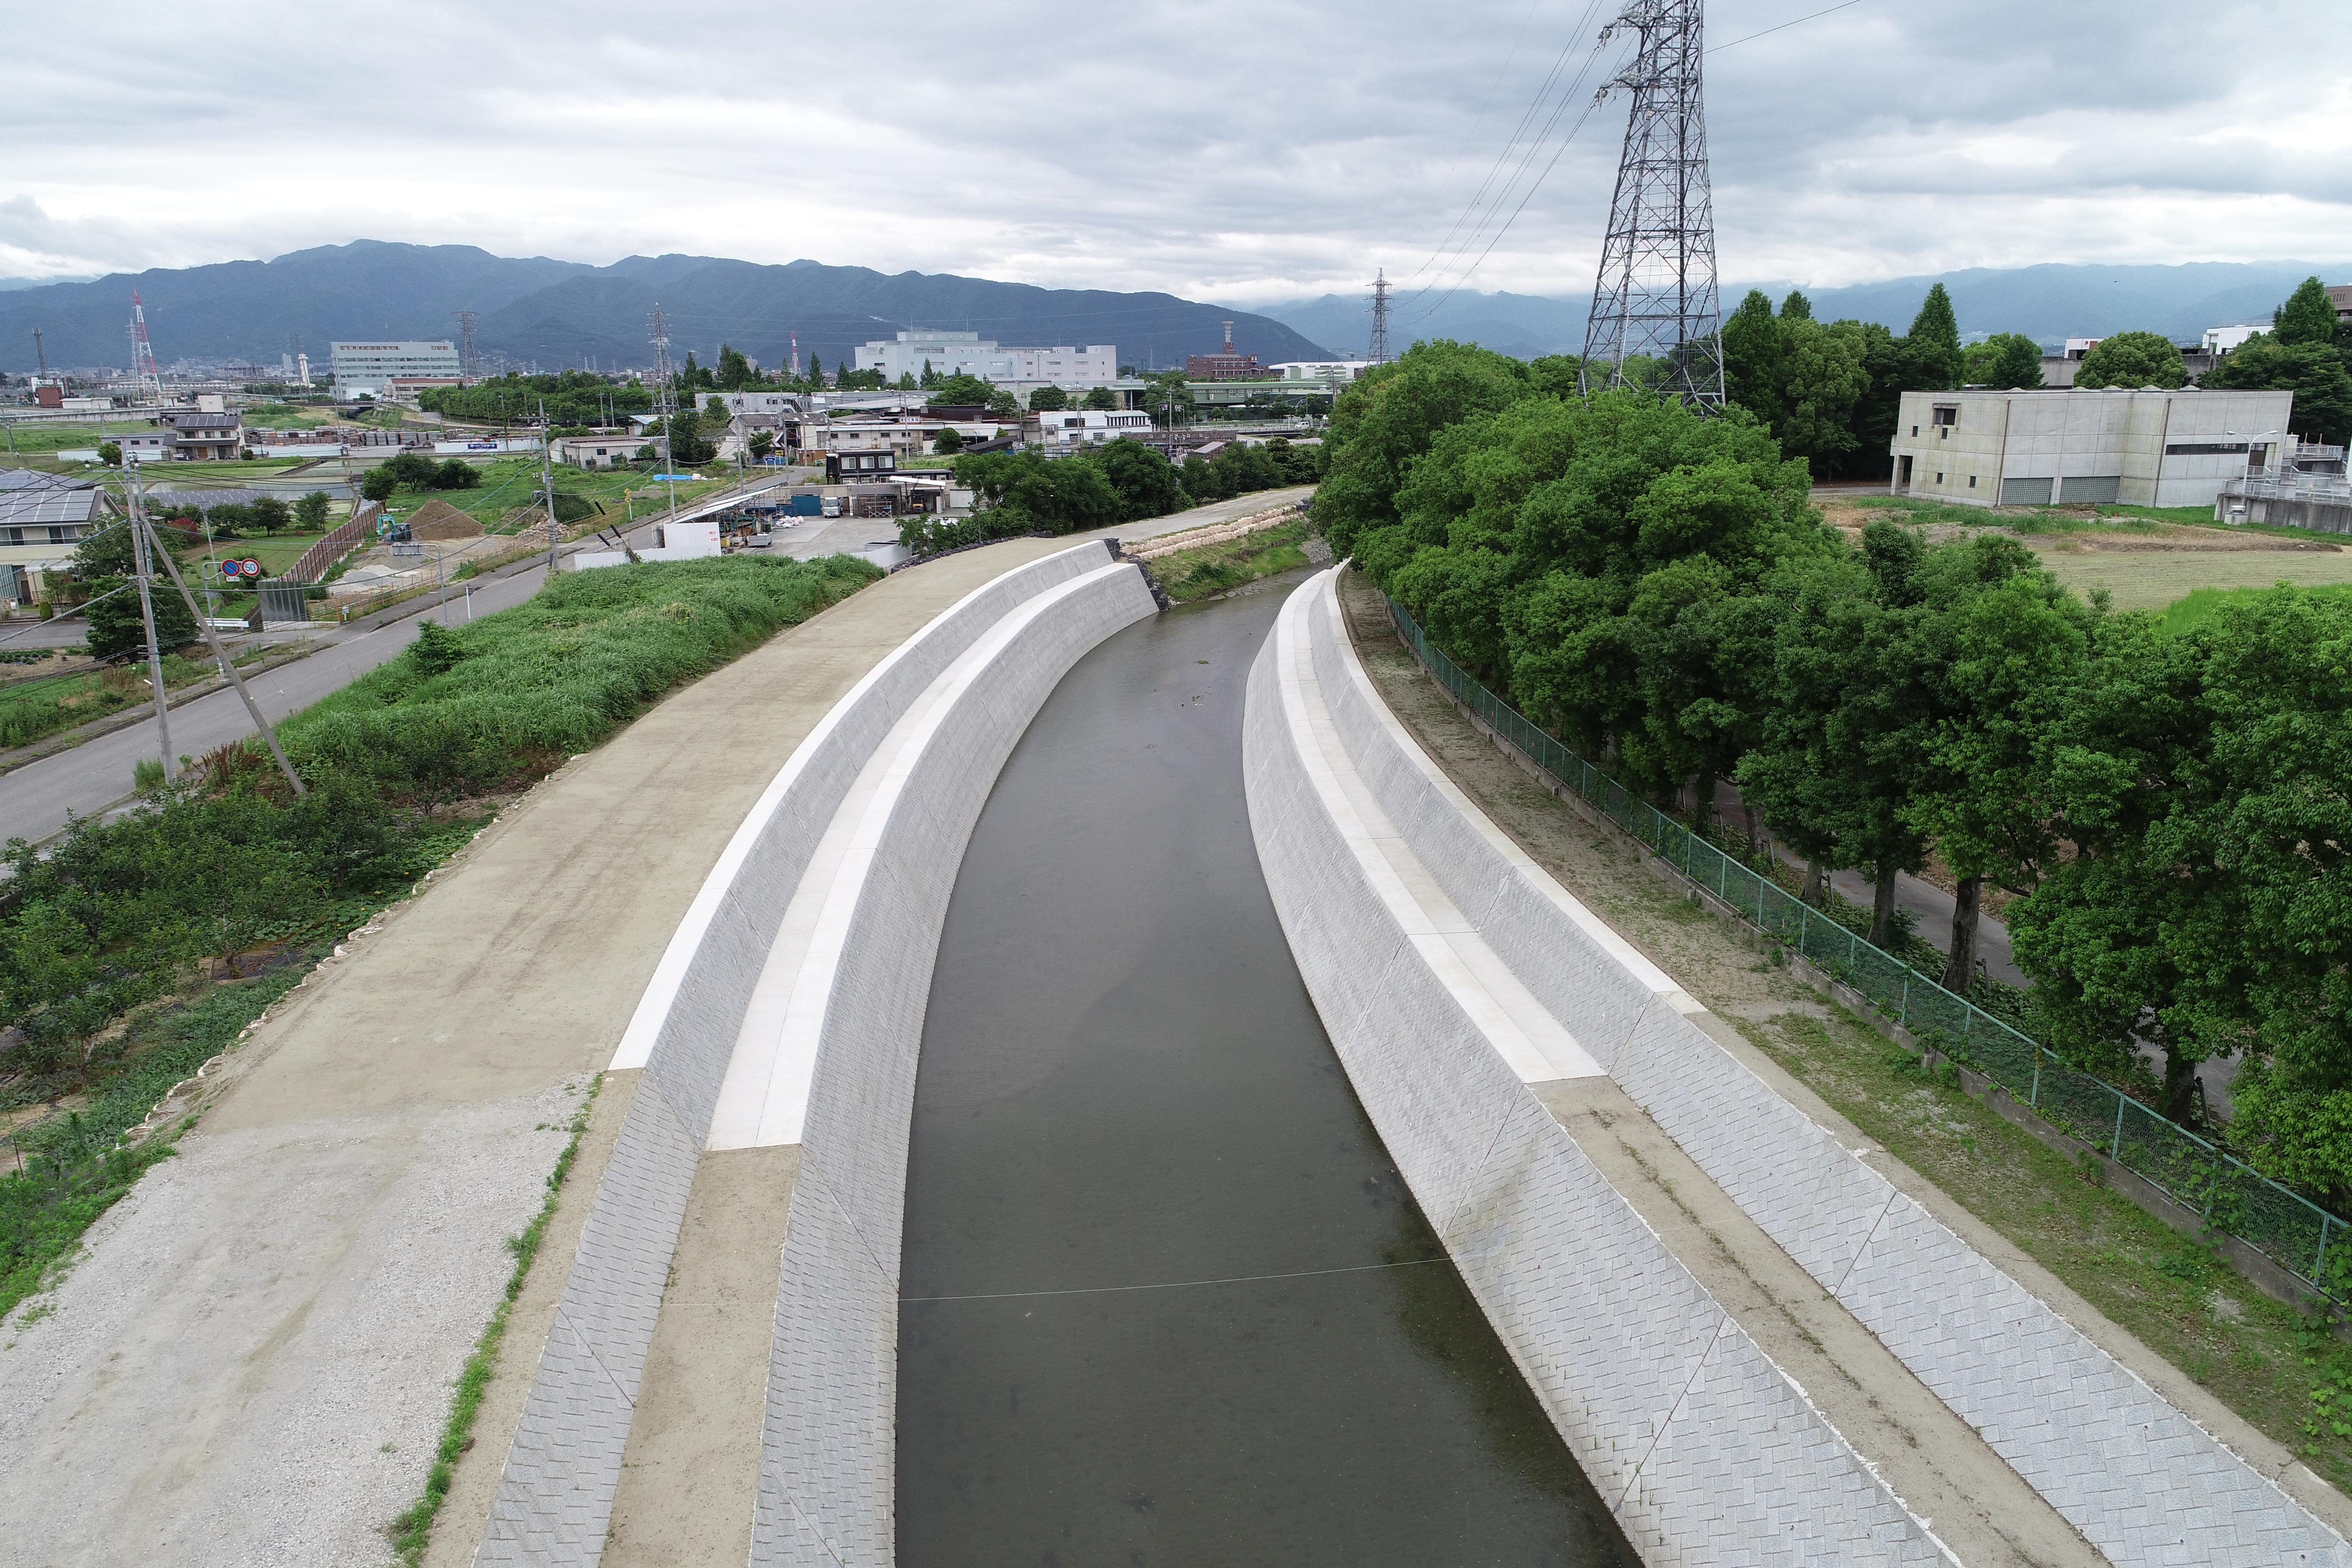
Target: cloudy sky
1236	150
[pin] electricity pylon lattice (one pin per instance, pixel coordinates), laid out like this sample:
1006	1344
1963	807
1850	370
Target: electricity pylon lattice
142	356
1377	351
1655	300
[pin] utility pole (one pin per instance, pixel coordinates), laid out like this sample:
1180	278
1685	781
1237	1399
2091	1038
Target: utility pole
228	667
669	404
1655	295
547	485
1378	349
147	611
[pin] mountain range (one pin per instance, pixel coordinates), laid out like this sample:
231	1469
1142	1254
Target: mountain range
2049	303
538	311
556	314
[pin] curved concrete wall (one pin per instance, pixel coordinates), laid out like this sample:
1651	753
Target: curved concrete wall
1704	1449
555	1494
829	1454
2138	1479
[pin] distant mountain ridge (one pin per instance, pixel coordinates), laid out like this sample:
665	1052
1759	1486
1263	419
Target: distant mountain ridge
564	313
2049	302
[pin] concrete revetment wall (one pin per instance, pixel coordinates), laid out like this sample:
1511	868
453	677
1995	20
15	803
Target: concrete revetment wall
2135	1476
1705	1450
909	756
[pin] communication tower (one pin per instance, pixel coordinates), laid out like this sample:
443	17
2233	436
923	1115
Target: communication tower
1378	349
1655	297
796	356
40	354
142	356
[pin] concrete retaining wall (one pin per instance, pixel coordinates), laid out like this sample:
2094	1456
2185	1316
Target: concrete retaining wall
555	1495
2138	1479
1704	1449
828	1460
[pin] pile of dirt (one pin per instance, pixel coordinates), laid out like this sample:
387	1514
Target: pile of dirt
437	520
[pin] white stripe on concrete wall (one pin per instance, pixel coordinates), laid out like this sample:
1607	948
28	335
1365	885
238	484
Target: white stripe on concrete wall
2141	1480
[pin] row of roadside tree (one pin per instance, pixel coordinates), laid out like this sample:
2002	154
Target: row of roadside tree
2170	811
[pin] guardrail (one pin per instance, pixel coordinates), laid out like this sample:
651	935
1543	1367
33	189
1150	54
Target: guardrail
2230	1195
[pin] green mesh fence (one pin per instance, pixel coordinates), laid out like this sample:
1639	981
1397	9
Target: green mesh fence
2285	1226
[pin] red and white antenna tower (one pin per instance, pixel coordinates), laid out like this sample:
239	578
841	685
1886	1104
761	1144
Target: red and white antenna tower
142	356
796	356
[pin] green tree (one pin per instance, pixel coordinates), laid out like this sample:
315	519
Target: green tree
2314	373
1796	307
457	474
109	454
929	379
817	374
1825	379
1752	375
1102	397
1047	398
2003	360
1169	398
948	440
1932	346
1837	752
2118	936
735	371
688	446
271	515
1386	420
1024	492
2132	358
761	443
2006	645
115	627
715	415
963	391
907	382
1144	479
2307	317
379	483
310	511
2278	818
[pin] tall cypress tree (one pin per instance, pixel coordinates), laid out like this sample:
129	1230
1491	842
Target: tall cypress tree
1752	357
1796	304
2307	317
1932	347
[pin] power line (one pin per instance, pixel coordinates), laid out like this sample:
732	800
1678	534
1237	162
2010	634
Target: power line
1752	36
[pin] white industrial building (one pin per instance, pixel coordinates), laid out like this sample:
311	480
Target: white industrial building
2143	447
373	368
1329	370
1062	430
969	353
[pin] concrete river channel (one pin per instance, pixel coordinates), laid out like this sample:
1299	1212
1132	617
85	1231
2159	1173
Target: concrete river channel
1165	1298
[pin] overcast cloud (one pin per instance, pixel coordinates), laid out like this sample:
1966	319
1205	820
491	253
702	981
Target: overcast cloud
1240	151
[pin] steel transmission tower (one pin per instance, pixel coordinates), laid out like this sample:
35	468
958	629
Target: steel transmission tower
467	363
1378	351
142	355
1655	297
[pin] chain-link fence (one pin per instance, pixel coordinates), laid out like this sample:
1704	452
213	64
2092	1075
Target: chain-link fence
2232	1196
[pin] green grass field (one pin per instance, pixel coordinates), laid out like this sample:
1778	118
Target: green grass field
29	440
2156	579
275	553
2203	605
513	482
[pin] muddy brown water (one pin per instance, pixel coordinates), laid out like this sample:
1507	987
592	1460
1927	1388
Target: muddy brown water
1166	1297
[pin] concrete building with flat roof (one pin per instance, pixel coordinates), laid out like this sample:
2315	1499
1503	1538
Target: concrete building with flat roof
373	368
2140	447
969	353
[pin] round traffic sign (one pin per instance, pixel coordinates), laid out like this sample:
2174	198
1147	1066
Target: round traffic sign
249	566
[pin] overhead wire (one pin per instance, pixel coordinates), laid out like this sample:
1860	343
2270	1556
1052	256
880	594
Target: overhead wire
1527	157
1535	102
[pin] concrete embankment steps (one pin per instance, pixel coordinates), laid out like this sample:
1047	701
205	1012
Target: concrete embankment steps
833	889
1806	1228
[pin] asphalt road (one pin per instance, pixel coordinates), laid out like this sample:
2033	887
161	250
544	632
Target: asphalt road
38	799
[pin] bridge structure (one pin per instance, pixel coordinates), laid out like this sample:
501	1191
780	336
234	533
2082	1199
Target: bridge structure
1740	1333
